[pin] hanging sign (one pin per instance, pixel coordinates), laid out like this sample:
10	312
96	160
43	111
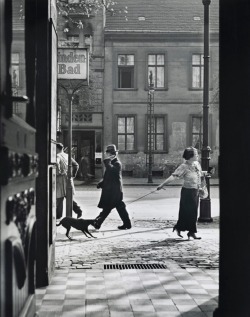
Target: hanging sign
72	63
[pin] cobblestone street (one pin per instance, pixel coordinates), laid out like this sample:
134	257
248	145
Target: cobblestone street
150	240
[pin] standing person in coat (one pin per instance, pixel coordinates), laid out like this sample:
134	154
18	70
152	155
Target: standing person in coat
85	167
112	195
61	181
191	172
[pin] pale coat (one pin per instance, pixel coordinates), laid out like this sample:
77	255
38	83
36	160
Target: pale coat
61	174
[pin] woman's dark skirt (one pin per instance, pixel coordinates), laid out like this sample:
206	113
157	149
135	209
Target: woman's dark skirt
188	210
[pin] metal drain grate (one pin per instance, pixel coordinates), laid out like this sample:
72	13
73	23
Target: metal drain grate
134	266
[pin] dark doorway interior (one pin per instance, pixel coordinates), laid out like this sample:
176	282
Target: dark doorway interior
83	144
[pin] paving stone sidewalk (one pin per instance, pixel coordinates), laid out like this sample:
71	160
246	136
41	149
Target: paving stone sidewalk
172	292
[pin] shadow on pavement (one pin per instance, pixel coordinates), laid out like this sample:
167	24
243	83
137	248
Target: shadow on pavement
207	307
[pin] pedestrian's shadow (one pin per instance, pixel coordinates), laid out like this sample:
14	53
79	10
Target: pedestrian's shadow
170	241
167	242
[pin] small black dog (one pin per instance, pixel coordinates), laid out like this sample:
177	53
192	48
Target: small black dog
79	224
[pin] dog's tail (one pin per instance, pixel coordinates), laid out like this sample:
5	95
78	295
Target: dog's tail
58	224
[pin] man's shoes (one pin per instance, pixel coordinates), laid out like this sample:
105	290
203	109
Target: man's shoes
123	227
96	225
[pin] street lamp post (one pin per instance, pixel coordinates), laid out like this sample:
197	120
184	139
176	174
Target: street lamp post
69	189
205	204
150	127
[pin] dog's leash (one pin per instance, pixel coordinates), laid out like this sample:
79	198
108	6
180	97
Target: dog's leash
131	202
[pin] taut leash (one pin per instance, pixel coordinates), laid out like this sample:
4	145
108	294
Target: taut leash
131	202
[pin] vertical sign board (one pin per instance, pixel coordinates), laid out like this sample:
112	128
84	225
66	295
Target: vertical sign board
53	112
72	63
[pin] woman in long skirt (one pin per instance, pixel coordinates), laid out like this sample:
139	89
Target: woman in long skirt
191	173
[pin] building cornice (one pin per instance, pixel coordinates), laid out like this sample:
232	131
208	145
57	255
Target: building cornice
153	36
159	102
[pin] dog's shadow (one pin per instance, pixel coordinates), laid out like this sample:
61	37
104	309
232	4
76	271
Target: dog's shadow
63	241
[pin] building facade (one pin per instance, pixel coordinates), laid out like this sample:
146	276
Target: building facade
158	43
161	40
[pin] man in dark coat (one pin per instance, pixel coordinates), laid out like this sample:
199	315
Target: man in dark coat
112	195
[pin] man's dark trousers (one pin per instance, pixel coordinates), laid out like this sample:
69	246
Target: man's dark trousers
122	211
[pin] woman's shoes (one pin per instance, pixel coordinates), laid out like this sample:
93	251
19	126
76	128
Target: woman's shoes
190	234
178	232
193	235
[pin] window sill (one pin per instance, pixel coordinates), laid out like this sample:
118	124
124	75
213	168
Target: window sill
195	89
125	89
157	89
127	152
157	152
201	89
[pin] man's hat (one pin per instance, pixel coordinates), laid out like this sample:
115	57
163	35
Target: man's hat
111	148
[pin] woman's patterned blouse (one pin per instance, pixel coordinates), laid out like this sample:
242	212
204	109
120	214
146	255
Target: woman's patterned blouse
191	174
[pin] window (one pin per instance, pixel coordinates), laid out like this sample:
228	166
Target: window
197	129
126	133
157	133
197	70
125	71
156	67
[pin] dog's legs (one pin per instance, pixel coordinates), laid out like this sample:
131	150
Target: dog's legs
85	234
67	233
89	233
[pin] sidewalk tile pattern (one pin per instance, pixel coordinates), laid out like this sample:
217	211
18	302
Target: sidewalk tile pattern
168	292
